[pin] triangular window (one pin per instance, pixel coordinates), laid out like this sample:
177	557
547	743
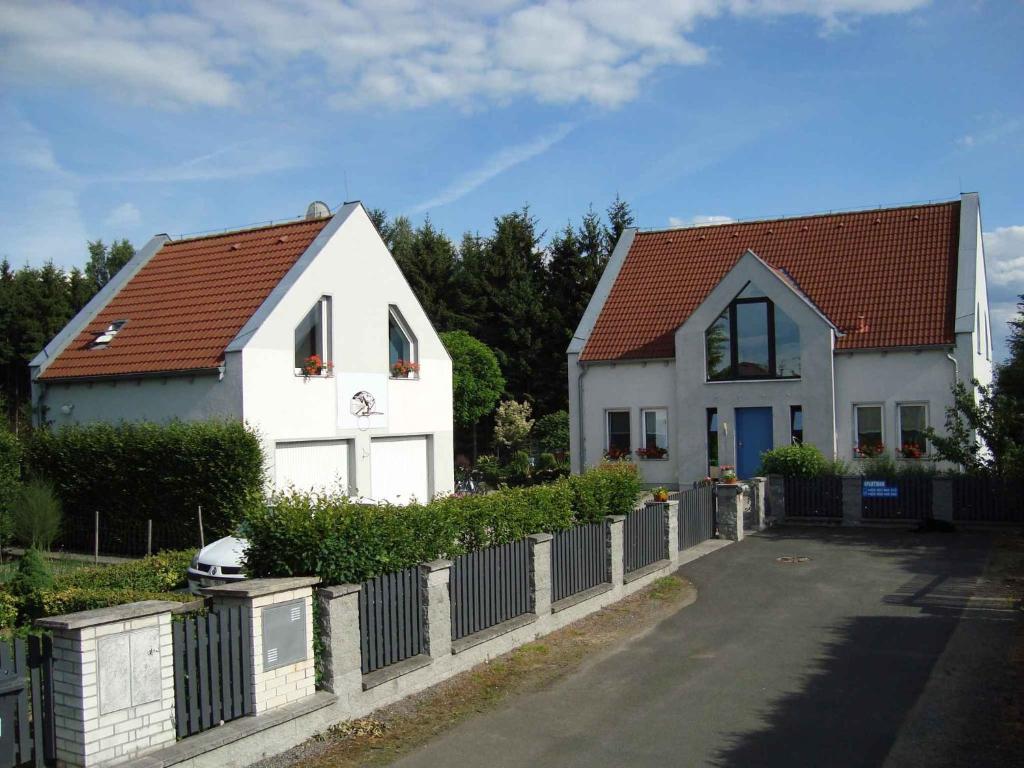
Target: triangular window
313	339
752	339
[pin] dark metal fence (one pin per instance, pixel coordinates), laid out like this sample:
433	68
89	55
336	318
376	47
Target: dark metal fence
904	498
988	500
579	559
814	496
489	586
26	703
212	668
696	515
644	536
390	619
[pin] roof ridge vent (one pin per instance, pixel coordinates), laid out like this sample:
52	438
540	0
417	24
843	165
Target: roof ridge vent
318	209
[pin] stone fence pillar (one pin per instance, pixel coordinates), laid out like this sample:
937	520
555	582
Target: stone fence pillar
341	657
540	572
672	531
757	502
281	639
615	550
730	510
113	682
853	501
437	607
942	498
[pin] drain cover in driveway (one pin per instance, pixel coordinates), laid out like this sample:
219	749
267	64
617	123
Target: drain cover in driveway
792	559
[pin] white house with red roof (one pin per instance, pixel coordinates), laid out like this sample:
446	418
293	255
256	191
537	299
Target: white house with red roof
306	330
705	346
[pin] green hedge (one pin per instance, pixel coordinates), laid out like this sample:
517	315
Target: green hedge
10	475
342	542
159	577
136	471
801	460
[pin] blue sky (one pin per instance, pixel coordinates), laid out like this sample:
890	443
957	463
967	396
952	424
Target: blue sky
177	117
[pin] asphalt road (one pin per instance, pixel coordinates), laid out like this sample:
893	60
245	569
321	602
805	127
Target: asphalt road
882	649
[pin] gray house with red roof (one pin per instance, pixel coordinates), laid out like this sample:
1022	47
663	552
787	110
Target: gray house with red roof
705	346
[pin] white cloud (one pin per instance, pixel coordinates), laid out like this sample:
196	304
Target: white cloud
496	165
124	216
699	221
991	129
398	53
1004	252
248	158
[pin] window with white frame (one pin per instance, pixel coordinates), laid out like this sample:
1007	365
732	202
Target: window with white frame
654	422
402	357
618	437
913	425
869	436
313	340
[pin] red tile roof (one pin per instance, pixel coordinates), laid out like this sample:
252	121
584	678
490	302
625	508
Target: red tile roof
187	302
895	267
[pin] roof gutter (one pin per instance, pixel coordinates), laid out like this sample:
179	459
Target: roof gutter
116	377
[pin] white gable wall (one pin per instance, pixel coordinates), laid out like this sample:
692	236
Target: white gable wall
356	270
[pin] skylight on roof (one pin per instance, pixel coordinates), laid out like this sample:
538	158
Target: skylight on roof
108	335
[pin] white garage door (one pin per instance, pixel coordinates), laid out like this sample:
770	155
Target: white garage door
321	465
398	469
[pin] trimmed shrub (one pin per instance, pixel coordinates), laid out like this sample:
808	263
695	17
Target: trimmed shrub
803	460
36	519
10	607
61	600
10	474
136	471
33	574
344	542
162	572
552	432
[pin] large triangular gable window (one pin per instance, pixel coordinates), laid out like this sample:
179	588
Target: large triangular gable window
752	339
313	340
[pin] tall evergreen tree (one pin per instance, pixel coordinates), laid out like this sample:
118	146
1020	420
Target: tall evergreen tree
620	216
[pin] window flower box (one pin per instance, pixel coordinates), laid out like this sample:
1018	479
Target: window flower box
404	369
314	366
618	454
652	453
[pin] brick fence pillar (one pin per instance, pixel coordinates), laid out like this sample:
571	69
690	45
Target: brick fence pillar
853	501
437	607
341	658
730	511
113	682
540	572
281	638
942	498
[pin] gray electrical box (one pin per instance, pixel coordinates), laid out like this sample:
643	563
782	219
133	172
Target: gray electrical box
284	634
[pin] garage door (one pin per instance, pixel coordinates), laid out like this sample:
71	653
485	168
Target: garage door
313	466
398	469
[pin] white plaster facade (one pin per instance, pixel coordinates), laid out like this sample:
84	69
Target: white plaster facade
349	263
832	381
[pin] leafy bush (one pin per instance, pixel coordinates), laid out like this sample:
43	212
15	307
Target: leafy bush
552	432
519	468
512	423
489	468
36	519
10	607
341	541
803	460
136	471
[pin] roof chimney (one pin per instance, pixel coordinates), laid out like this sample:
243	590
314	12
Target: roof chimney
317	210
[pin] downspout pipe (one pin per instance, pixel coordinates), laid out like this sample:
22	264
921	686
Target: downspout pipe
956	367
580	411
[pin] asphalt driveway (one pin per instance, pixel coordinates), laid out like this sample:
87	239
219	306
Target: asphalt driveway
884	648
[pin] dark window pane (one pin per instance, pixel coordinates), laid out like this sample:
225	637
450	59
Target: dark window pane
869	430
913	423
752	339
309	336
751	291
796	418
618	431
717	340
398	343
787	346
712	438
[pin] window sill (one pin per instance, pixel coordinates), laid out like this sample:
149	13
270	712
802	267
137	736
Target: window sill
324	375
414	377
775	380
652	458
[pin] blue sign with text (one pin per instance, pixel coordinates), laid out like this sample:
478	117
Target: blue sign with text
880	489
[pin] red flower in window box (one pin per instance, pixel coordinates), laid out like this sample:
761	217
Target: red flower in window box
401	369
315	366
652	453
911	451
869	450
617	454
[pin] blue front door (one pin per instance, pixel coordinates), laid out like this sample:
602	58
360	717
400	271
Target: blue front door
753	437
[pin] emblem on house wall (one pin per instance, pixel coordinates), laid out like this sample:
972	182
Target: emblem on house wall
362	400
